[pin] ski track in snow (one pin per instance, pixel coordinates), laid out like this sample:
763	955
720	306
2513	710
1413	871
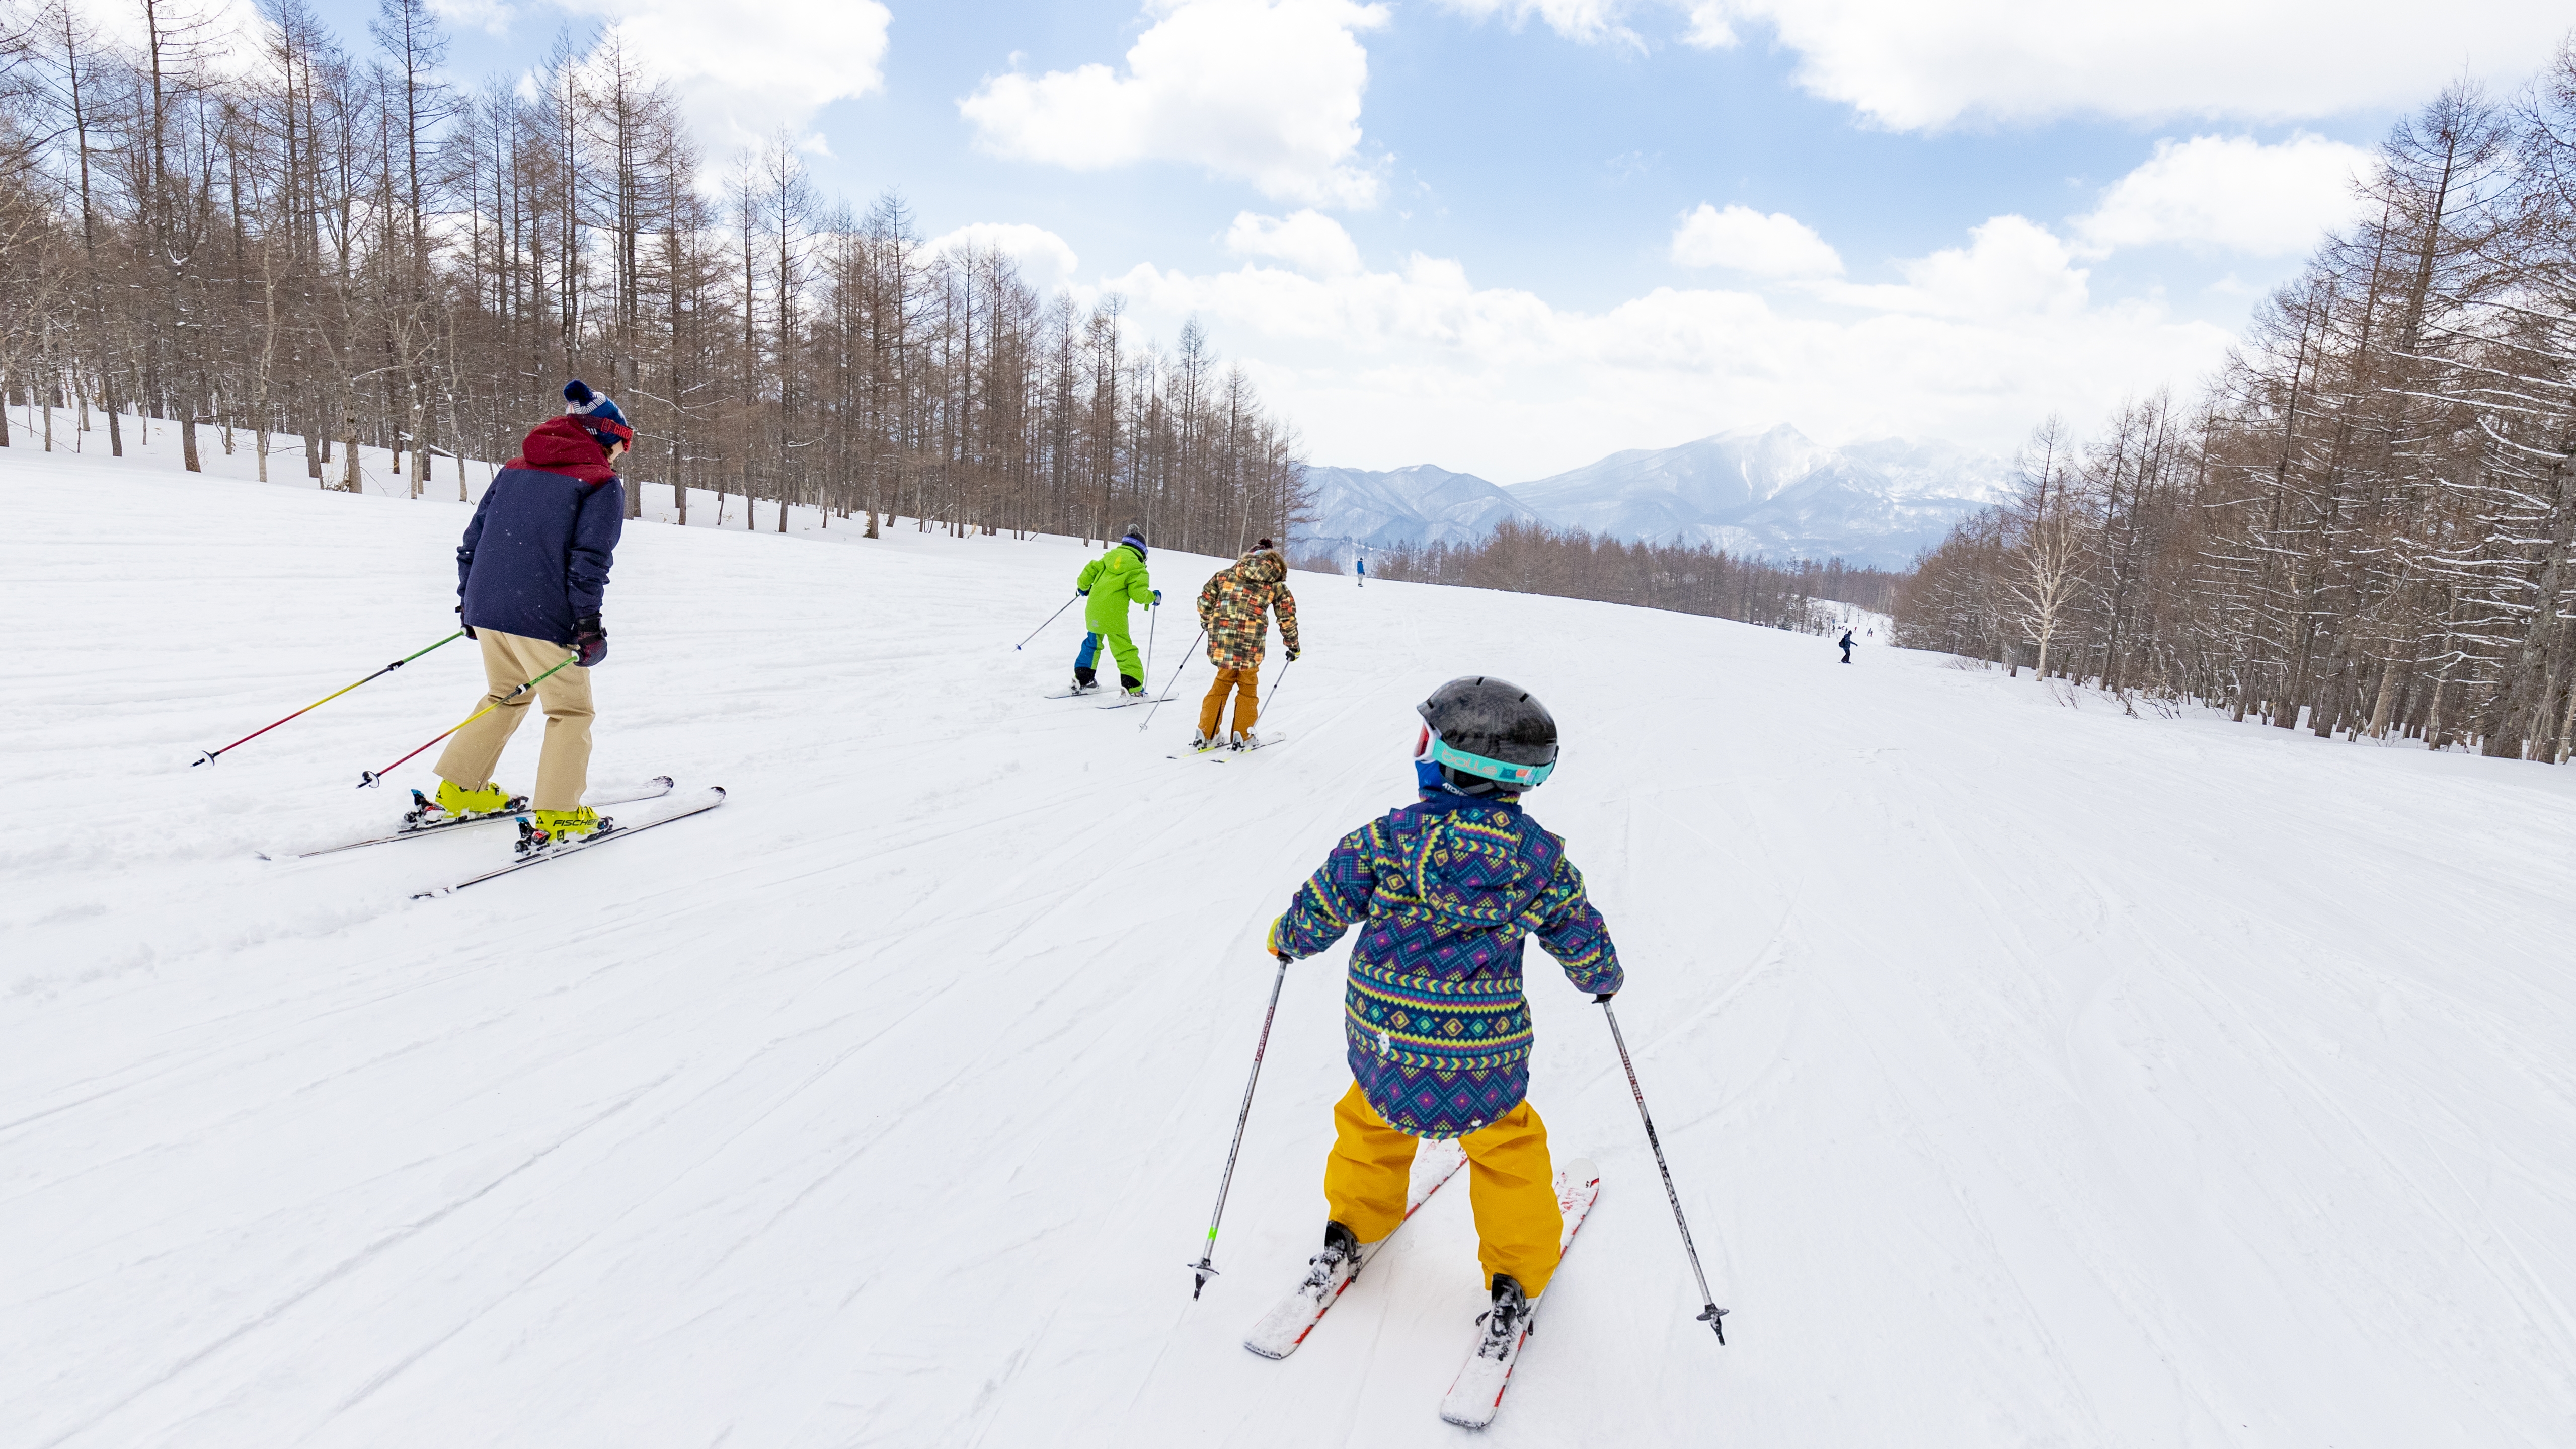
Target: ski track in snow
2031	1075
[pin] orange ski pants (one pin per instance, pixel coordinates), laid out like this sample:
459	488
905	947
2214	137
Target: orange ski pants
1510	1184
1246	685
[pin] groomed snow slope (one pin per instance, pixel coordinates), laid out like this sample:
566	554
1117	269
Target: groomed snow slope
2032	1075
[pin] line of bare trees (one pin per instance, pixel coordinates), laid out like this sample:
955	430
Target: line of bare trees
2367	523
1532	558
302	249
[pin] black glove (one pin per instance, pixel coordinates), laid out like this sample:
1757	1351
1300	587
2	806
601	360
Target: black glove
461	624
1604	998
1292	656
590	639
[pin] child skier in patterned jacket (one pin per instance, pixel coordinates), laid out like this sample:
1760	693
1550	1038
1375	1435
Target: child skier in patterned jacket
1438	1032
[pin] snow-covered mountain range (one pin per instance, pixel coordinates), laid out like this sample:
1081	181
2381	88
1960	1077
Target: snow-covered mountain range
1772	492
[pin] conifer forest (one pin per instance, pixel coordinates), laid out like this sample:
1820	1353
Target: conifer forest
2366	522
308	245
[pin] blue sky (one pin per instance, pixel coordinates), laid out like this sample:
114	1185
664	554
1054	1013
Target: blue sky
1508	236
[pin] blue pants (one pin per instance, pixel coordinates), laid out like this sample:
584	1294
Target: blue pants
1121	648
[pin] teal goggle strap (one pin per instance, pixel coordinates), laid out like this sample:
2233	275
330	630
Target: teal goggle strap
1503	771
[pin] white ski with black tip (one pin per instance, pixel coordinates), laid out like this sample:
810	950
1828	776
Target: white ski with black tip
1477	1396
587	842
659	786
1286	1325
1125	700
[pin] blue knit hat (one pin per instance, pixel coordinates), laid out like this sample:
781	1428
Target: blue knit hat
1135	539
599	415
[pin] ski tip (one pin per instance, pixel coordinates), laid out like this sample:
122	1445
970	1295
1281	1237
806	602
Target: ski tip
665	781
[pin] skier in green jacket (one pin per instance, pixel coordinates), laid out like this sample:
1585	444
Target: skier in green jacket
1113	581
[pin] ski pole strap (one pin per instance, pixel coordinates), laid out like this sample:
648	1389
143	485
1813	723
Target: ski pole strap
209	756
369	779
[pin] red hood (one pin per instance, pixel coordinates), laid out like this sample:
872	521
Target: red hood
561	445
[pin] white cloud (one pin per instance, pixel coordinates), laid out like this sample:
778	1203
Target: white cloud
1308	240
1912	65
1264	90
1777	245
492	17
745	71
1708	27
1583	20
1416	364
2011	268
1046	260
2229	192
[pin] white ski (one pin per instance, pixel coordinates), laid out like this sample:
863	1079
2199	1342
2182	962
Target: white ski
711	797
1286	1326
1477	1396
1224	752
656	789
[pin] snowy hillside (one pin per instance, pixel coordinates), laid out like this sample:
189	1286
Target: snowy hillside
2032	1075
1776	493
1773	492
1416	505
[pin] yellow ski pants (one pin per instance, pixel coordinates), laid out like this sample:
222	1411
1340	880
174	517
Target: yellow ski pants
1510	1184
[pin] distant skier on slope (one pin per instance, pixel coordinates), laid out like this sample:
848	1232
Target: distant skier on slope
1847	646
1230	609
1113	581
1438	1032
529	580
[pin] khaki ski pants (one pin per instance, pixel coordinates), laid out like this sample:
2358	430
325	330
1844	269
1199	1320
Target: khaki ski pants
1246	685
563	766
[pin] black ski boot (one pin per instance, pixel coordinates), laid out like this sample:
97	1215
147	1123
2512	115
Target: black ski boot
1503	1321
1330	1270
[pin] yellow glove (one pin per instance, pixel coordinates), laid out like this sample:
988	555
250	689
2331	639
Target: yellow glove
1270	943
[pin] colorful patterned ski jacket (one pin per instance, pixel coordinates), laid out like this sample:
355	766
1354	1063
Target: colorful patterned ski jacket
1230	606
1443	891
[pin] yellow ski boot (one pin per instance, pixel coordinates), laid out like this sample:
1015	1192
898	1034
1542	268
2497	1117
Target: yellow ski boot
552	828
455	805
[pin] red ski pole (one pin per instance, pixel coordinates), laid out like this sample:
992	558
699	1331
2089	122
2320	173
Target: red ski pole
207	757
369	779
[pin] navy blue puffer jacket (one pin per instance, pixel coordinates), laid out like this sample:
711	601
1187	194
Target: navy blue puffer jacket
537	554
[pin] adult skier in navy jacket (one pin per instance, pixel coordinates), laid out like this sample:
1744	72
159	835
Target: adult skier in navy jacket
529	580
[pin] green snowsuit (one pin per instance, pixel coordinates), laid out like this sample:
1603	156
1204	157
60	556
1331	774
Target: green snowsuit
1114	580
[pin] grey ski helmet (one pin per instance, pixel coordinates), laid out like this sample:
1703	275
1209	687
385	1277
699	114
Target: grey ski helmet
1487	734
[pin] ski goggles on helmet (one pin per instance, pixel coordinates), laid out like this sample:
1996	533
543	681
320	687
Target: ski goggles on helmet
1431	749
